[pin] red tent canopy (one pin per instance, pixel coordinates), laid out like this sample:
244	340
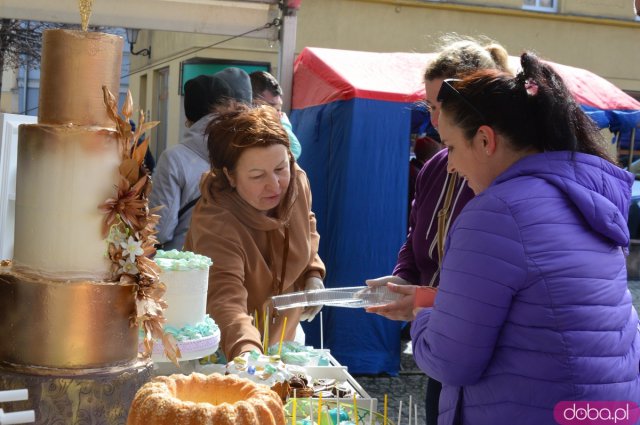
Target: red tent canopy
326	75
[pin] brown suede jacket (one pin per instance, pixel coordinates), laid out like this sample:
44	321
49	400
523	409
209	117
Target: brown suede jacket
247	249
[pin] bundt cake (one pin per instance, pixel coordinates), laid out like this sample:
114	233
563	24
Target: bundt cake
200	399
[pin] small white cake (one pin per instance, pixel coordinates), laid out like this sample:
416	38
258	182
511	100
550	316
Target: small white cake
186	276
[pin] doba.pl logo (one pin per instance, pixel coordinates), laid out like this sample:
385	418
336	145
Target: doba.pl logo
596	413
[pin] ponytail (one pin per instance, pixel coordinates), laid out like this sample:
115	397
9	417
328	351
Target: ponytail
565	125
533	110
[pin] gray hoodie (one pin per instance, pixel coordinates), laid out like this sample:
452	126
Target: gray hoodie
176	178
176	181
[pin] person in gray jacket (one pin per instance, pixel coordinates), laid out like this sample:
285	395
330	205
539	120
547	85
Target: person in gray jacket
177	175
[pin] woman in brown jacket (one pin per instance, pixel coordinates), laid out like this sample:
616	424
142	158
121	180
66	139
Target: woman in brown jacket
254	220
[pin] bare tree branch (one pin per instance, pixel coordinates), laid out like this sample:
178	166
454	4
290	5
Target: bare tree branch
21	42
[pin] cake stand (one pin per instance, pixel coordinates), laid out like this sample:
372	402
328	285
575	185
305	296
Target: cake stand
190	350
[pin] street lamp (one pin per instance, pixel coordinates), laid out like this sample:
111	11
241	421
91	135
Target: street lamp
132	37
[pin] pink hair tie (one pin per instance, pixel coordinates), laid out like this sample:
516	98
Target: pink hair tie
531	87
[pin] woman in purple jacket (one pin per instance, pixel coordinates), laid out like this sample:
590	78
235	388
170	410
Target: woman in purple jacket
533	306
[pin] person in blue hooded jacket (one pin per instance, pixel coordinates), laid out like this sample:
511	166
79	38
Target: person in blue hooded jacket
533	307
266	89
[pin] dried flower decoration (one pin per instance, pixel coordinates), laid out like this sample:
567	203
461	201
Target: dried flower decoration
531	87
129	228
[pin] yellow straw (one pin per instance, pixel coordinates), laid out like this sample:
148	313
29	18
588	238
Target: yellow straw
355	410
385	410
293	412
284	326
267	336
255	319
319	408
264	334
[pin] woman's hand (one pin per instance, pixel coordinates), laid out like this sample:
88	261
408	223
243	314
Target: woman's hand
397	310
311	284
382	281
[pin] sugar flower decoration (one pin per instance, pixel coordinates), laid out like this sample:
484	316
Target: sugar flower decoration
127	267
132	248
129	227
116	236
127	204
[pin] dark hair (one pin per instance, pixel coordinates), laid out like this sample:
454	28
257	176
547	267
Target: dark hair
534	109
202	93
239	127
261	81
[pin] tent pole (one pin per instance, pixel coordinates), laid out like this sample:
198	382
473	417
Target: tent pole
286	57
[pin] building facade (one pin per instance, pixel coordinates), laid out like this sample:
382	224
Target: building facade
598	35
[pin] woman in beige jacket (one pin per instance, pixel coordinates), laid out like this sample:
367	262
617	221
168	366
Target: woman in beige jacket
254	220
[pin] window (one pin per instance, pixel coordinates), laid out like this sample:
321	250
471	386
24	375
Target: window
541	5
193	67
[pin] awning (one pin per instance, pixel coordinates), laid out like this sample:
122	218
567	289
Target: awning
194	16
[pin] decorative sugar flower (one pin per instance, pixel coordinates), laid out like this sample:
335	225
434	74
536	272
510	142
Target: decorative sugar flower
127	267
128	225
132	248
115	254
127	206
116	236
149	271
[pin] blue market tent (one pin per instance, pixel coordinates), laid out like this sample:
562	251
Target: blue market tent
605	103
352	112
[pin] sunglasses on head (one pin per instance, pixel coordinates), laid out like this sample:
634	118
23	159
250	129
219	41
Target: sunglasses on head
447	91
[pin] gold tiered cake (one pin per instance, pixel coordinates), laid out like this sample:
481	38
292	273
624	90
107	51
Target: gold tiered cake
67	318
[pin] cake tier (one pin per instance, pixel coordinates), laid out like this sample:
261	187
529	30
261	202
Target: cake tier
186	276
74	67
89	398
186	297
66	325
64	173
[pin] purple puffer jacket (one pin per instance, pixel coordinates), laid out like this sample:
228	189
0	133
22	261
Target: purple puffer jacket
533	306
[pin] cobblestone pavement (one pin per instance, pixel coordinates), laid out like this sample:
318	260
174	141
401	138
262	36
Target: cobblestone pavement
412	382
409	382
634	287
